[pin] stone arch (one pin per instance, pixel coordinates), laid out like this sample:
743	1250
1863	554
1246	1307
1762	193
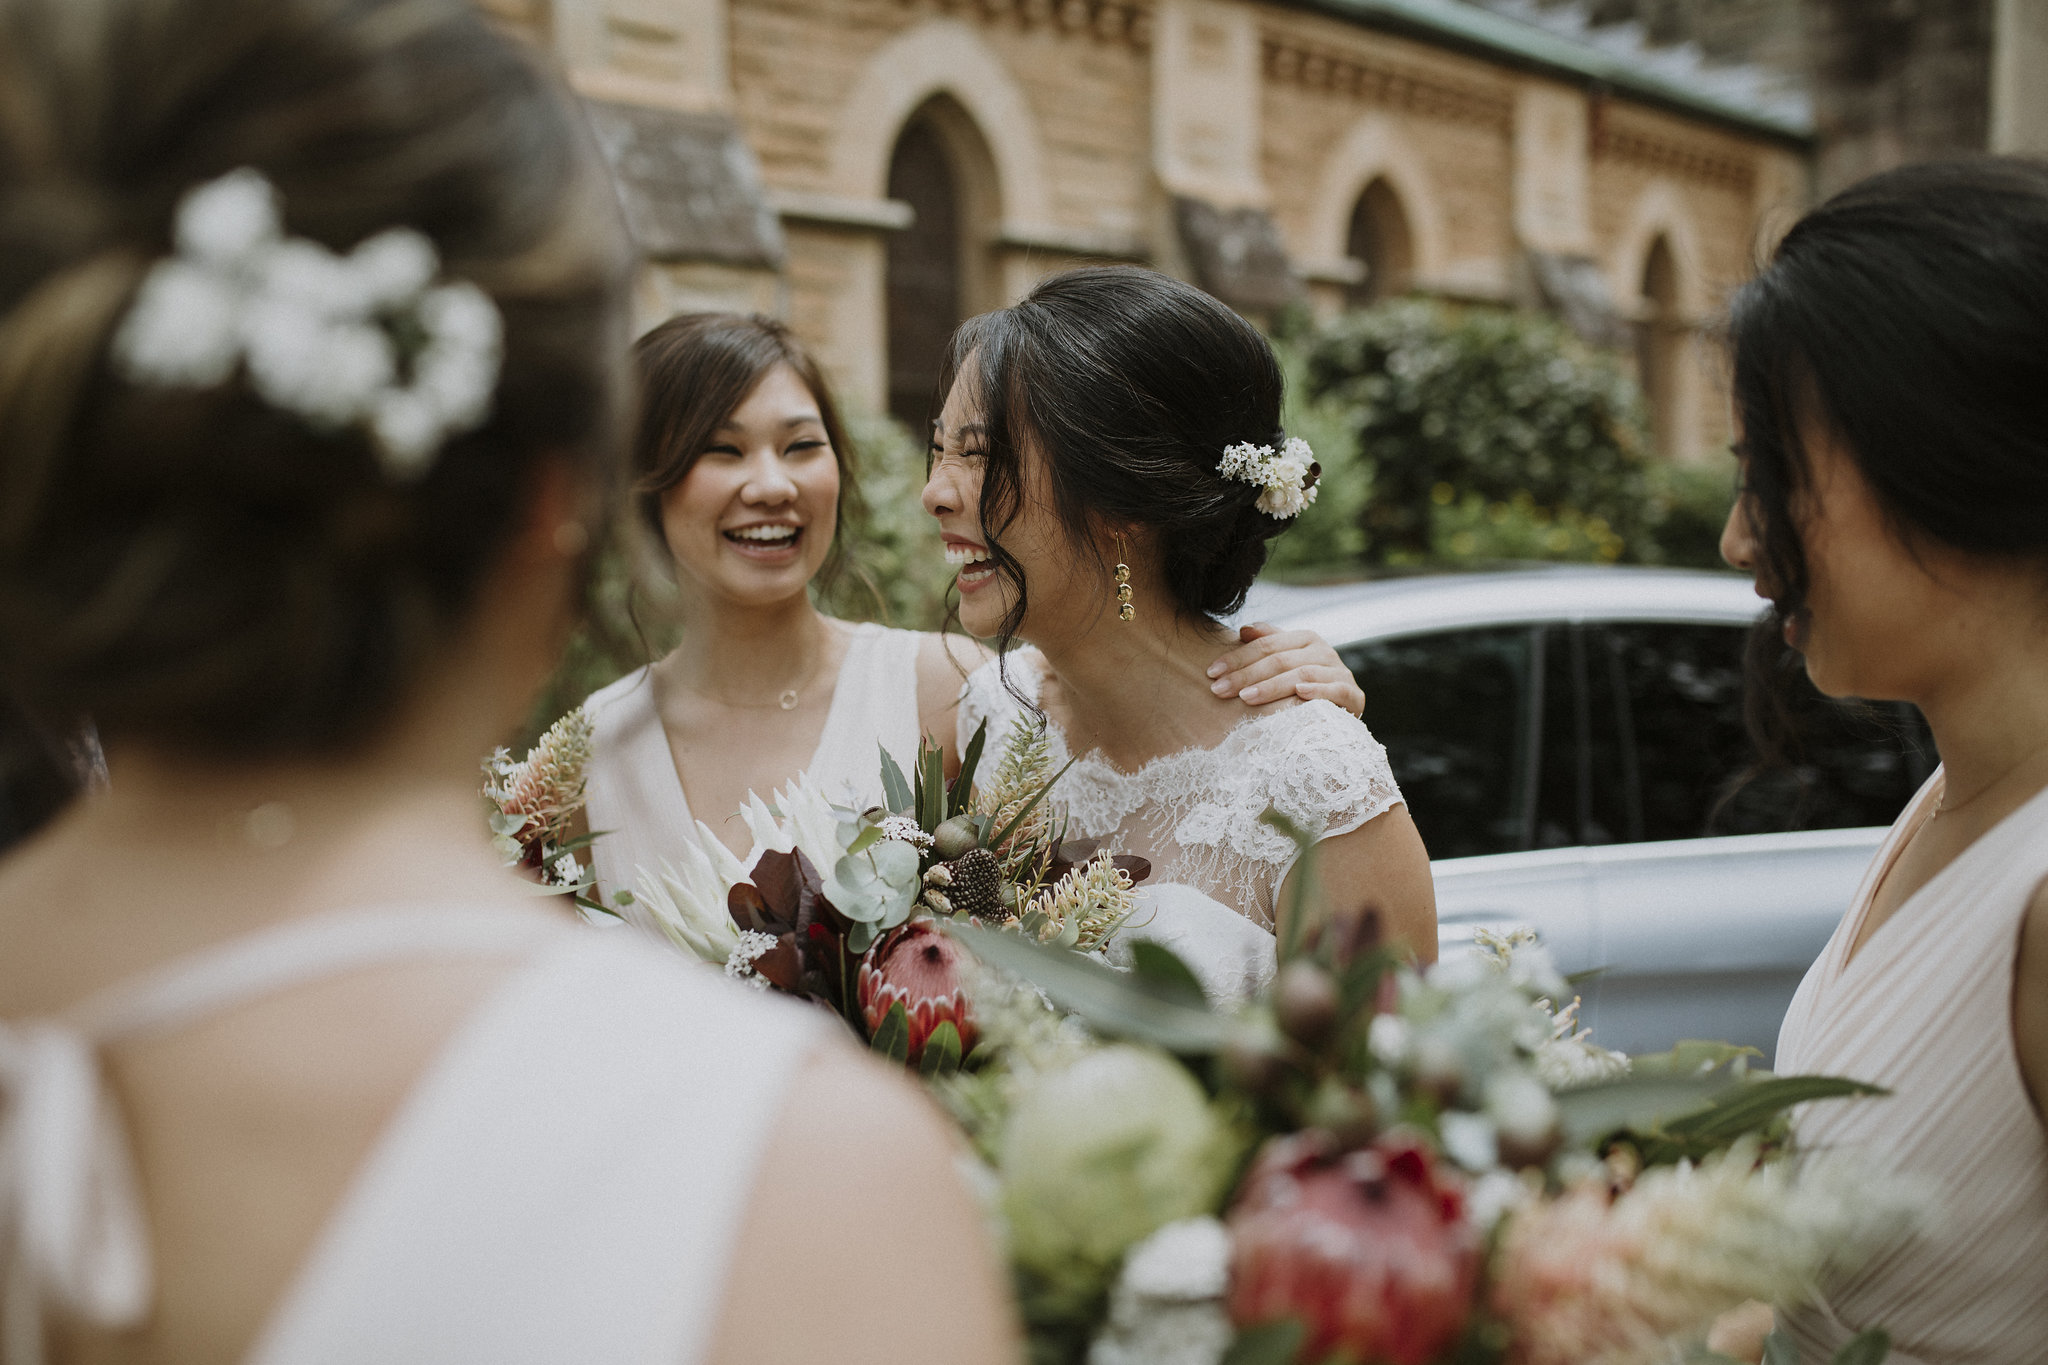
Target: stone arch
1656	271
1376	150
941	269
941	57
1381	239
1660	211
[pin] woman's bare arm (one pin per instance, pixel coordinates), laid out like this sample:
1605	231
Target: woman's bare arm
861	1245
2030	1002
1381	867
943	663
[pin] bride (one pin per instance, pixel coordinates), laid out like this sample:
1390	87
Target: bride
1105	471
743	475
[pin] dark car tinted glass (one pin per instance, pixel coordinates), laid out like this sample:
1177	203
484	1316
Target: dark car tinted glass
1669	698
1454	710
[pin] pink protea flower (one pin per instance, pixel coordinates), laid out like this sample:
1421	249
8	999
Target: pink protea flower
1370	1248
921	967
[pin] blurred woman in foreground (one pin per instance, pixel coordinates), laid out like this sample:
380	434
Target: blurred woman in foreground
311	380
1891	386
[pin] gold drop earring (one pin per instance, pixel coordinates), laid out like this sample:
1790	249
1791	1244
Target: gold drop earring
1125	611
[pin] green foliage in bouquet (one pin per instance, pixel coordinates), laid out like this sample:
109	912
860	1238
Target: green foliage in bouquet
1443	1169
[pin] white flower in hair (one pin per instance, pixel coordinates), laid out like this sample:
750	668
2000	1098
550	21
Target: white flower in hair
1285	476
315	330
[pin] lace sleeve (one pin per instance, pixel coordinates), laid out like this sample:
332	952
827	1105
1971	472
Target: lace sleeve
1330	775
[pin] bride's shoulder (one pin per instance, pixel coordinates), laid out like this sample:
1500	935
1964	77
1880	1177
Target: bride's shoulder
1319	758
1004	683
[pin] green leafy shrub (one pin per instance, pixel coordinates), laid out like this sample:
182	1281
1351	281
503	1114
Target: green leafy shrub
1488	434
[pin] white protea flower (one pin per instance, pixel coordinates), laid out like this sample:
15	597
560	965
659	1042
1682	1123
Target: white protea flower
687	898
222	222
800	819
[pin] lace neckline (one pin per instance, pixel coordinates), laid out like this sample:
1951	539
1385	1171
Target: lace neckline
1028	668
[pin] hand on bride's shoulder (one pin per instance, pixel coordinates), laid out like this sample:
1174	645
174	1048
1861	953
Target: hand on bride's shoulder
859	1158
1270	665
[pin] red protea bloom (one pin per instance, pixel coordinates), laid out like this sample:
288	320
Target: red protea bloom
1370	1249
921	967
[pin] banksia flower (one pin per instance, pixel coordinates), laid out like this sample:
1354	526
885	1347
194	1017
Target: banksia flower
920	968
1084	909
977	885
1021	774
547	787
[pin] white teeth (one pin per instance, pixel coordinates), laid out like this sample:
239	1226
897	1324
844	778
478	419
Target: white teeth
772	534
958	555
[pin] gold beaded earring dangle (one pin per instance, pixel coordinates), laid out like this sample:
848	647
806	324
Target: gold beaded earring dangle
1125	611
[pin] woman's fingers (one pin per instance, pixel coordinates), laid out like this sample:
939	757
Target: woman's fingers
1273	663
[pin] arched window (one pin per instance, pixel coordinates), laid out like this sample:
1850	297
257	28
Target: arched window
1659	336
1379	239
941	269
924	303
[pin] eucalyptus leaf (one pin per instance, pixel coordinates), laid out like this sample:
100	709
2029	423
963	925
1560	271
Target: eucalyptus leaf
1156	965
895	787
941	1051
1752	1104
507	823
860	938
1270	1343
1865	1348
866	839
961	794
892	1035
1635	1103
1110	1001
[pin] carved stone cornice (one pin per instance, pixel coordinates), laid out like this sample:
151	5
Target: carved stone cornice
1627	140
1394	85
1128	22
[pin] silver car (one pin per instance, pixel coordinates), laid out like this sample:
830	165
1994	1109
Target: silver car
1570	742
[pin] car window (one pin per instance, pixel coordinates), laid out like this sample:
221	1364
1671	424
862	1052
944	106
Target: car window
1668	751
1454	709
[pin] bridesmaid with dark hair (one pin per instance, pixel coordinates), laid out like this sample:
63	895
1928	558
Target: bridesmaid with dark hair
1891	390
746	483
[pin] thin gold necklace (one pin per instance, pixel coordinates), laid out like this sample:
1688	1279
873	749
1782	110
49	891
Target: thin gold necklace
1945	807
787	700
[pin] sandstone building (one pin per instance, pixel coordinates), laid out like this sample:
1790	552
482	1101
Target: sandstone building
876	170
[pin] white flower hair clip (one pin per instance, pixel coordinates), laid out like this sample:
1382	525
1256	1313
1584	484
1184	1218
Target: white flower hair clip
367	338
1288	476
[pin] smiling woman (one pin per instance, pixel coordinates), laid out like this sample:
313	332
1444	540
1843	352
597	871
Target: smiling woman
744	476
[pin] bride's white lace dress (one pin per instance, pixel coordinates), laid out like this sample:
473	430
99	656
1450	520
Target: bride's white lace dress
1217	870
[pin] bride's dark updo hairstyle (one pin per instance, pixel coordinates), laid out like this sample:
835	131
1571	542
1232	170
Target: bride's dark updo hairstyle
195	567
1908	315
1128	384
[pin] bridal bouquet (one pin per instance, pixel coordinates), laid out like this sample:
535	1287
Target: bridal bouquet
842	906
534	802
1376	1165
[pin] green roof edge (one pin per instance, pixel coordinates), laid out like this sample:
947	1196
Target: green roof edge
1500	37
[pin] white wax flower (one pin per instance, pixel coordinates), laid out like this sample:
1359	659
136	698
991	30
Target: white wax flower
222	222
392	267
184	329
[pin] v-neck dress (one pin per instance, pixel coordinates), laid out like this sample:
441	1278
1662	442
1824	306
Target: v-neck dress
1924	1009
635	795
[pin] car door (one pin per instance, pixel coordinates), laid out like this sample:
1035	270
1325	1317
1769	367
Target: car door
1476	725
1711	897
